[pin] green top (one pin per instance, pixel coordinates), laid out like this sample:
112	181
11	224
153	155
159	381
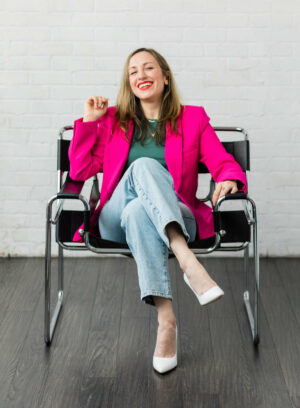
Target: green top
149	150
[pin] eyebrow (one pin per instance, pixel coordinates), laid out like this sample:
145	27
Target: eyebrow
143	64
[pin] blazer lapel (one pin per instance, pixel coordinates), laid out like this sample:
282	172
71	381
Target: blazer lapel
173	153
115	157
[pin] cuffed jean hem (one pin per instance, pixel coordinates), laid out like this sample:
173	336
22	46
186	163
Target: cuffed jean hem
148	299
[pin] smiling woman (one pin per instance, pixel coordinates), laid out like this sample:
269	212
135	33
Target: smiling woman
148	192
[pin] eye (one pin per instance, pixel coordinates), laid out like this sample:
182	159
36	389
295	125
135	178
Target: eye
146	68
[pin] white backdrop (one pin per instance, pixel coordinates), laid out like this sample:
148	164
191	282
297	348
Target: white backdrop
239	60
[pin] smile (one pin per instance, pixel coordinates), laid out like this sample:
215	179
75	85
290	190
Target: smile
143	87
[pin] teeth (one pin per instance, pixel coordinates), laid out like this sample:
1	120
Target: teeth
142	86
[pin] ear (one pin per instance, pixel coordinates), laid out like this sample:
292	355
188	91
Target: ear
167	79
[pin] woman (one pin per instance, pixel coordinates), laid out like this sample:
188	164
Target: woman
148	147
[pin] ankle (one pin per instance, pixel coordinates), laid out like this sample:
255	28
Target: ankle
189	262
166	321
185	257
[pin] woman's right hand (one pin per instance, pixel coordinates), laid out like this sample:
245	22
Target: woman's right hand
94	108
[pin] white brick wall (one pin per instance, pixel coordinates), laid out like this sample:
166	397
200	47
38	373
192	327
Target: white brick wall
240	60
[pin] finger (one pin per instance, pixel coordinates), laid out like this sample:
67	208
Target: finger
95	101
225	189
234	189
99	102
99	99
230	187
103	102
90	101
216	193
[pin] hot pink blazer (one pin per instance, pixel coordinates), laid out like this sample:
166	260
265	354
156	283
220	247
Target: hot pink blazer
101	146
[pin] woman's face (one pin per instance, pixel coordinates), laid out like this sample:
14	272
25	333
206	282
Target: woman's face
143	67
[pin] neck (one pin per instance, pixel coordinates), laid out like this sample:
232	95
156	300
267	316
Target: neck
151	109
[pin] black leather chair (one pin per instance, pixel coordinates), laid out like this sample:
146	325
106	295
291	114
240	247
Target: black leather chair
234	230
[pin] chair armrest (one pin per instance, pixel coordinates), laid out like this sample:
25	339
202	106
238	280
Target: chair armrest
71	190
235	196
70	196
71	186
62	195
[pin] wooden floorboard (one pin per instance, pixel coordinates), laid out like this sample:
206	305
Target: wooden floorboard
284	327
263	363
165	390
17	319
100	364
68	353
235	384
101	353
133	365
31	372
196	358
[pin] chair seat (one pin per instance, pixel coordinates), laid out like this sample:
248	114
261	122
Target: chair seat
104	243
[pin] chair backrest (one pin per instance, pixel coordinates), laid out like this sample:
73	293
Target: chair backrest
239	149
63	162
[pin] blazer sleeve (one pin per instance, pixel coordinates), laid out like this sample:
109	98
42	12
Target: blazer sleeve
86	149
221	165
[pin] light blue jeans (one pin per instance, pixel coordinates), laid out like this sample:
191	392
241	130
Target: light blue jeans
141	206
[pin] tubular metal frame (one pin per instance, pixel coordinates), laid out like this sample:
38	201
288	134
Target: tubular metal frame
50	322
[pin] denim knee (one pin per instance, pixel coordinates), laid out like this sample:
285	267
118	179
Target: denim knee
149	164
134	207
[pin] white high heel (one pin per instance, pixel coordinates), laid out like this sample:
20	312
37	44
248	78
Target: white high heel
211	295
164	364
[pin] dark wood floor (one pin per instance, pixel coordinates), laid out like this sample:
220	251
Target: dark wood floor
101	354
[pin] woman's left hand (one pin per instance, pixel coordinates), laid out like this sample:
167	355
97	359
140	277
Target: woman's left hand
223	188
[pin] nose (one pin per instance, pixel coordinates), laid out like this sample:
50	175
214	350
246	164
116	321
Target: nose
141	76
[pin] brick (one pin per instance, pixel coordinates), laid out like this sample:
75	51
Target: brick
30	34
88	78
59	47
74	63
14	78
28	6
50	78
103	33
72	34
193	34
24	92
24	63
67	5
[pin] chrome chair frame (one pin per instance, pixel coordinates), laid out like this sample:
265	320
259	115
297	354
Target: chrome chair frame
250	213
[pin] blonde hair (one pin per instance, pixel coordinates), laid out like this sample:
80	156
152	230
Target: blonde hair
128	106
